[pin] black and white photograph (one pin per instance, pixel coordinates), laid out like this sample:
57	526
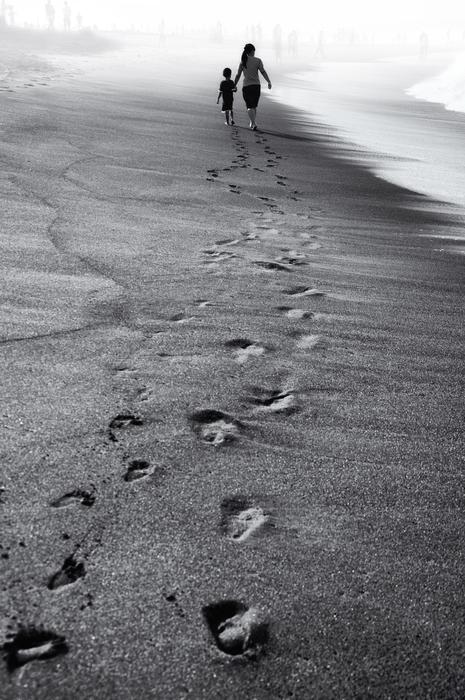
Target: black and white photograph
232	247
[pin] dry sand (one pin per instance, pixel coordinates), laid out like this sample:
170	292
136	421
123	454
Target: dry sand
231	372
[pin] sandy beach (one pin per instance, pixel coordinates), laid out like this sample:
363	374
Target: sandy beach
232	396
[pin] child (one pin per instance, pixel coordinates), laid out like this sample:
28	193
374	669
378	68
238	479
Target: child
227	87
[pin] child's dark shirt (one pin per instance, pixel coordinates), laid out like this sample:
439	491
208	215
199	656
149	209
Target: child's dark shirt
226	89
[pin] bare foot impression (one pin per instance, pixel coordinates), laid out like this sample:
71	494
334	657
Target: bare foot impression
272	266
304	292
240	518
122	421
245	349
30	644
295	314
308	342
70	572
236	629
215	427
138	469
275	401
73	498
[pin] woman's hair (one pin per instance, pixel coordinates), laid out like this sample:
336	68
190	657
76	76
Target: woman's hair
227	73
248	48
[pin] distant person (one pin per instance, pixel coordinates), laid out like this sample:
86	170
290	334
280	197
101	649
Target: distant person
226	91
424	45
161	33
11	15
277	42
292	40
50	13
79	21
66	17
250	66
320	46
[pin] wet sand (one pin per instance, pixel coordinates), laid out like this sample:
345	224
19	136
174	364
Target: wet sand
231	372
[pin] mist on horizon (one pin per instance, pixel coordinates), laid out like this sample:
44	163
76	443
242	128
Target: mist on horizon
338	19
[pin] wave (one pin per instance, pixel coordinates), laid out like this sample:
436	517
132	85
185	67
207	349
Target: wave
447	88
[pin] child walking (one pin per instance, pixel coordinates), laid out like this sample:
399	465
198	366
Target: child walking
227	87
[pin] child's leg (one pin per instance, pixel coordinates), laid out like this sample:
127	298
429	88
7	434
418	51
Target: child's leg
232	117
226	116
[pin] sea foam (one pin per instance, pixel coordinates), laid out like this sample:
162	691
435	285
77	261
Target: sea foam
447	88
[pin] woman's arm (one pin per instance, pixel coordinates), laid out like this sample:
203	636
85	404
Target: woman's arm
238	75
265	74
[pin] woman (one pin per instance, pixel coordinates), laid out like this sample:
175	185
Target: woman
250	66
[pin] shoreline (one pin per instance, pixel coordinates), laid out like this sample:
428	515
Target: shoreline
375	120
168	276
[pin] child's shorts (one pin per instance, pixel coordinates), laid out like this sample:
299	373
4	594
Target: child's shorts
227	105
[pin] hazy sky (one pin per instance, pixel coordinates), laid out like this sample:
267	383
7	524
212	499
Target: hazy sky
329	14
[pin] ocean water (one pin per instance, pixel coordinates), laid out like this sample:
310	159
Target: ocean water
446	88
392	116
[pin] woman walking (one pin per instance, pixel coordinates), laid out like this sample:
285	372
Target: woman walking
250	65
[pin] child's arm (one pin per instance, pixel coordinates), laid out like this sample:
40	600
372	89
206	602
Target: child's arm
219	95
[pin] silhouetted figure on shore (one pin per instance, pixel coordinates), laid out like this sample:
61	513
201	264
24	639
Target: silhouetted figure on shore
11	15
218	36
292	41
320	51
424	45
66	17
161	33
277	42
50	13
79	21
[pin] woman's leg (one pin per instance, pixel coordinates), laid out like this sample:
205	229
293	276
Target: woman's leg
252	112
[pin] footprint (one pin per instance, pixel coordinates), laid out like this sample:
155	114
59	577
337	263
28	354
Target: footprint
240	519
295	260
244	349
217	255
124	420
303	292
138	469
121	421
250	236
30	644
84	498
228	241
181	318
236	629
267	265
203	303
215	427
70	572
295	314
308	342
275	401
